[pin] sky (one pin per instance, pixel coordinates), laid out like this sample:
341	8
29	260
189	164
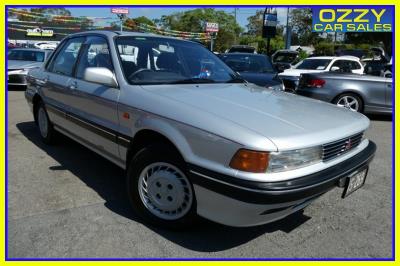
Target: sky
242	13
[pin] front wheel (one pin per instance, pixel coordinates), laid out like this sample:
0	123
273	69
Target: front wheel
349	101
46	129
159	189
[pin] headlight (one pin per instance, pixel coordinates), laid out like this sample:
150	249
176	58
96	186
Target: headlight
273	162
278	87
290	160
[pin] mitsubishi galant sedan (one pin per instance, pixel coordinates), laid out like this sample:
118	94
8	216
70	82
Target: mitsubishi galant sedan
194	138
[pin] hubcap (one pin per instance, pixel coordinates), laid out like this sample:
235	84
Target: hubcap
165	191
43	122
348	102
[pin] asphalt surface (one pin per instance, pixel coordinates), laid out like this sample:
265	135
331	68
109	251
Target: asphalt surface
66	201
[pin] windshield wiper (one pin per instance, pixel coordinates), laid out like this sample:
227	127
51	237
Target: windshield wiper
192	81
237	79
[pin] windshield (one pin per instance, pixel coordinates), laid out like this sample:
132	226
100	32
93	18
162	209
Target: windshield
154	60
248	63
26	55
314	64
242	50
285	57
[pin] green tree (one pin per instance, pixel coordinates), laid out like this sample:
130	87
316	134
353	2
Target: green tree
255	23
194	20
301	23
133	23
383	39
45	16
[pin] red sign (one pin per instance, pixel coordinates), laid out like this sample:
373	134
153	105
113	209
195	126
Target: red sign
119	10
212	27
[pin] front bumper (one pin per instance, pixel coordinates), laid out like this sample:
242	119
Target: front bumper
237	202
289	82
17	77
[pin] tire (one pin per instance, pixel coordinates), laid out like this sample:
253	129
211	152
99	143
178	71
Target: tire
159	189
46	129
350	101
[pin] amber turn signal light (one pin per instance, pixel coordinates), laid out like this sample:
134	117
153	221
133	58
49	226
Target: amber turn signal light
250	161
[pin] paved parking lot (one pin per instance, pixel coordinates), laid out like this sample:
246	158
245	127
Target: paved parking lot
66	201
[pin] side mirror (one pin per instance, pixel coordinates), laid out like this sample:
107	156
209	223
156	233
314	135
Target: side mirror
335	68
100	75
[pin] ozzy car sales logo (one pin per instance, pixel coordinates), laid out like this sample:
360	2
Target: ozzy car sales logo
352	20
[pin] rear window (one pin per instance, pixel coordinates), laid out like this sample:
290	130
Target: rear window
242	50
314	64
248	63
26	55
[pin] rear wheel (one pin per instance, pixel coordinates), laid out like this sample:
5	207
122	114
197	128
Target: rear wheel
159	188
349	101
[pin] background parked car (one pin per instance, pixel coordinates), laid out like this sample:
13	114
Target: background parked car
290	77
361	93
20	61
45	45
242	49
284	59
254	68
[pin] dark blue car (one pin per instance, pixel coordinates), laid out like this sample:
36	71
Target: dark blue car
254	68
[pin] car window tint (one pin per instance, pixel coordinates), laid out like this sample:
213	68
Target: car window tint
153	60
343	65
96	53
248	63
355	65
66	58
312	64
26	55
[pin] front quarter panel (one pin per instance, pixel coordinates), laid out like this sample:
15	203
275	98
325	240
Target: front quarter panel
195	145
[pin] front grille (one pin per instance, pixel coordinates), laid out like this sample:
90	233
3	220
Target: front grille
334	149
289	82
17	79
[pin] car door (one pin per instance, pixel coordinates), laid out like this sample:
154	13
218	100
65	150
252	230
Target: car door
94	105
56	77
388	88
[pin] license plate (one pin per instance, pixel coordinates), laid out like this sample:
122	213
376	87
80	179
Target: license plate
354	182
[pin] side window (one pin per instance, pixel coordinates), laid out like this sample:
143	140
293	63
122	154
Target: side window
337	63
355	65
95	53
343	65
65	60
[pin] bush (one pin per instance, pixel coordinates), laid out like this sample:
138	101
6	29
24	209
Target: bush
324	48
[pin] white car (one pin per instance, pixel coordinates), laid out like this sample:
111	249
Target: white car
45	45
318	64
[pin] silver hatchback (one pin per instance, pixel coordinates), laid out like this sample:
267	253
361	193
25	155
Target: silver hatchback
193	136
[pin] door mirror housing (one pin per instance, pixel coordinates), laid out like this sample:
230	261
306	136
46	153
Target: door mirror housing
100	75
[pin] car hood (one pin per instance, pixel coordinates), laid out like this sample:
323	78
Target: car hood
260	79
18	64
289	121
297	72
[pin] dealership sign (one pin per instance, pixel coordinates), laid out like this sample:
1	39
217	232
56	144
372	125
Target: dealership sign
352	20
38	32
123	11
212	27
270	21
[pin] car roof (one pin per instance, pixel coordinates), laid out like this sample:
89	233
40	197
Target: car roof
247	54
111	34
349	57
286	51
242	46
